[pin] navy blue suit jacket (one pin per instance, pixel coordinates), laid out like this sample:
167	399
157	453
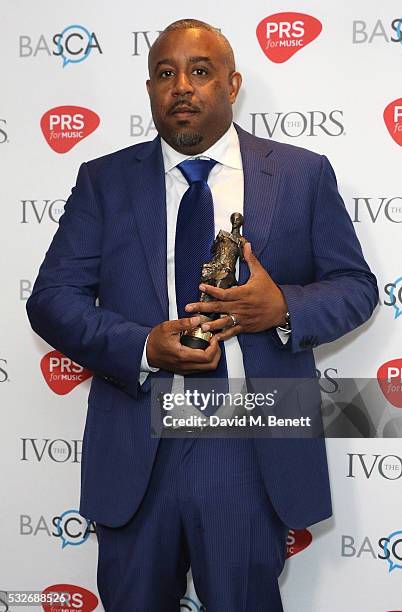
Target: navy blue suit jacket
111	245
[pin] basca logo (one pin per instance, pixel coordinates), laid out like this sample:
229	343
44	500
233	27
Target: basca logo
3	131
387	209
393	120
388	549
394	296
61	373
388	467
389	378
368	33
295	123
72	528
75	599
73	45
64	126
284	34
141	126
39	210
297	540
3	371
57	450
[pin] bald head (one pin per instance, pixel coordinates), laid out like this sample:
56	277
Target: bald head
196	24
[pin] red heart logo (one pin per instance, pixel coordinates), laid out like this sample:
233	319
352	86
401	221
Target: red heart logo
284	34
298	540
75	599
61	373
389	378
64	126
393	120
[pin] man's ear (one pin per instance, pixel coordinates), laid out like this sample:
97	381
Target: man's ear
148	84
235	81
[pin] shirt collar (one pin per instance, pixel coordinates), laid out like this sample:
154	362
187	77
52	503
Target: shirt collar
225	151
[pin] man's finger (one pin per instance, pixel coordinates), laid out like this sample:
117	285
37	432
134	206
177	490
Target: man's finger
252	261
220	323
213	306
225	295
184	324
229	333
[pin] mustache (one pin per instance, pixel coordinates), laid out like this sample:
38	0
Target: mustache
183	105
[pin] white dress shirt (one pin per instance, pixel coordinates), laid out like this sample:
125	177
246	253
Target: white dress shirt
227	186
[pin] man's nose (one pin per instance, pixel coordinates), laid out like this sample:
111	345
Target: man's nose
182	85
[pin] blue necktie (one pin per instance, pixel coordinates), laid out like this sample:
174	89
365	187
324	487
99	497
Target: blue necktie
195	233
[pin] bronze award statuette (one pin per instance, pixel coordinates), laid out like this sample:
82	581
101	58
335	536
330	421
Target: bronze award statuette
227	248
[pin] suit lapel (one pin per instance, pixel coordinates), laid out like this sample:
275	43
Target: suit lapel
146	178
261	183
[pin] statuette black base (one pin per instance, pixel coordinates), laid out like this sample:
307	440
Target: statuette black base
196	343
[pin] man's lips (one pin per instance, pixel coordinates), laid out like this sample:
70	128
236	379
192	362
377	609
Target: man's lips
183	111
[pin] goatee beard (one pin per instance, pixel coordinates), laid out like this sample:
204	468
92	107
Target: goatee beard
186	139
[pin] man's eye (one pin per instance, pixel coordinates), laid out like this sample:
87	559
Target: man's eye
200	71
166	73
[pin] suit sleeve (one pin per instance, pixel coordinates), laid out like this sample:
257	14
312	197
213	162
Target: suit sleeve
62	308
344	292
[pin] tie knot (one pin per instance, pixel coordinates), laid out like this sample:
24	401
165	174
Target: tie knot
195	170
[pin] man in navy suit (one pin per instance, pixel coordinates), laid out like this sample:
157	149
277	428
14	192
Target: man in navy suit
223	506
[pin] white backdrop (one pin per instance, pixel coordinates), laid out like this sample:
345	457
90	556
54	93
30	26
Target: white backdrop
344	80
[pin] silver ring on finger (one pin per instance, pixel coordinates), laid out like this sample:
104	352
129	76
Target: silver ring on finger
234	319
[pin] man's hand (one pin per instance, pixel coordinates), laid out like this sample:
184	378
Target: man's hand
165	351
256	306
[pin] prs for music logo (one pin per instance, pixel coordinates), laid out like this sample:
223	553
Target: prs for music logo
73	598
393	120
284	34
64	126
389	378
61	373
297	541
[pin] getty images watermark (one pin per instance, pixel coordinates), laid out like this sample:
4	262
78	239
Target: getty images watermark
215	400
264	408
278	408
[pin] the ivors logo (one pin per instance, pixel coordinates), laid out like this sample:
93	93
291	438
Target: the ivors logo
383	208
61	373
3	131
296	123
298	540
74	599
388	467
38	211
283	34
3	371
64	126
57	450
393	120
389	378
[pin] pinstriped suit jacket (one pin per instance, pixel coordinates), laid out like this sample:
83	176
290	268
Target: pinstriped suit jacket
111	245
